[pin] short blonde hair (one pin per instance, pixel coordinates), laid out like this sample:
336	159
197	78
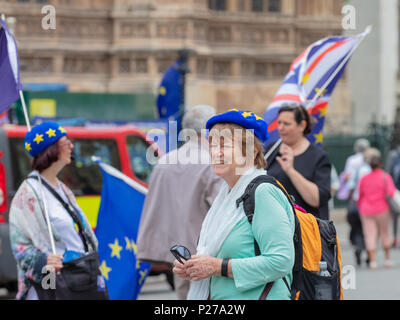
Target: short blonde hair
246	135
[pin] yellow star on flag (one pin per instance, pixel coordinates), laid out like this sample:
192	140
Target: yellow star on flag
305	78
116	249
142	275
258	117
51	133
128	244
38	138
317	90
163	91
323	112
62	130
233	110
319	137
105	270
134	246
28	146
247	114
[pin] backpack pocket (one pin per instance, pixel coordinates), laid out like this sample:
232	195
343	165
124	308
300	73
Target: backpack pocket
316	287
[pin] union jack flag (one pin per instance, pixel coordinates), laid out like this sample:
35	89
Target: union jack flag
310	81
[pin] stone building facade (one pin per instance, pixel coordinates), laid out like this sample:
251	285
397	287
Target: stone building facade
240	50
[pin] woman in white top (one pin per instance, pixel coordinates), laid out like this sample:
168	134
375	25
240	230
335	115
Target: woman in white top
51	150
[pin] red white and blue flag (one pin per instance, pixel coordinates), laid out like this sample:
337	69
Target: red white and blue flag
310	82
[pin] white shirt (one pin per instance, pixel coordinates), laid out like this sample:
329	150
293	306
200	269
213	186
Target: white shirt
60	218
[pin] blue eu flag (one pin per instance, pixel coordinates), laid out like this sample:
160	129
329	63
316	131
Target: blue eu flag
170	92
117	229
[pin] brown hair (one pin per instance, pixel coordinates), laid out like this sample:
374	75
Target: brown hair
46	158
300	114
259	160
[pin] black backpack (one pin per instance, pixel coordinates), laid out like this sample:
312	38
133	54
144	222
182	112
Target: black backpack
313	238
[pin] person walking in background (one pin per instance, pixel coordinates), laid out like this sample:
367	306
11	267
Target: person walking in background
303	168
353	162
182	188
346	193
392	166
353	215
334	187
374	210
226	266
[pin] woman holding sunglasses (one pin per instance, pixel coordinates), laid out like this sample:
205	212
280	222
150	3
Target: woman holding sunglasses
225	265
73	237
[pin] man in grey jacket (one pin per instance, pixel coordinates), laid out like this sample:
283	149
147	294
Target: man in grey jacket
182	188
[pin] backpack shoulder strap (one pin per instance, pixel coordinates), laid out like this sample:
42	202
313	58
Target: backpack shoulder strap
248	197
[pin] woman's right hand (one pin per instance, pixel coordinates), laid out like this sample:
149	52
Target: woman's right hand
55	261
180	270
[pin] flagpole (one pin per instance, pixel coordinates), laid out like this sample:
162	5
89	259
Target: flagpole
46	213
326	84
21	95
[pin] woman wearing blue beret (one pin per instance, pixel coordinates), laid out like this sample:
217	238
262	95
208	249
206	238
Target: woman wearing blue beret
226	265
73	237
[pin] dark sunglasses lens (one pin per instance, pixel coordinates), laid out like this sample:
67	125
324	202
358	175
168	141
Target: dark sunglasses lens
186	254
181	251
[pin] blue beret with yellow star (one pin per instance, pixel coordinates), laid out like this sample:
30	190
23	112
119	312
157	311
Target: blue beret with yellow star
246	119
42	136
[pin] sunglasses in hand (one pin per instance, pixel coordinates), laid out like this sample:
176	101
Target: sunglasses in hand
180	252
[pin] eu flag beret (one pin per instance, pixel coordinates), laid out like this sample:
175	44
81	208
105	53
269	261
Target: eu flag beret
42	136
246	119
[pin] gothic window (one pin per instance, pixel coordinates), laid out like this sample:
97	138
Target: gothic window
202	66
124	65
222	68
218	5
257	5
260	69
141	65
274	5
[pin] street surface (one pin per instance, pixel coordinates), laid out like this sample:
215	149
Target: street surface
359	283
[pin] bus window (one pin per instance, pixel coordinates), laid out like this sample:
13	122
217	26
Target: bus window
20	159
83	176
137	148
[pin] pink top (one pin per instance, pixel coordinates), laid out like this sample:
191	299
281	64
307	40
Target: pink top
372	189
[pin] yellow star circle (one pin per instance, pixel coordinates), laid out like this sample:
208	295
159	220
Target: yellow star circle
116	249
38	138
28	146
247	114
104	269
62	130
51	133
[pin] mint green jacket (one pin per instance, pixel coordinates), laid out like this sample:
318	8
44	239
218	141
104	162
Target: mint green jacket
273	228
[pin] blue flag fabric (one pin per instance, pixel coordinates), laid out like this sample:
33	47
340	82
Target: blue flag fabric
170	92
117	229
9	69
